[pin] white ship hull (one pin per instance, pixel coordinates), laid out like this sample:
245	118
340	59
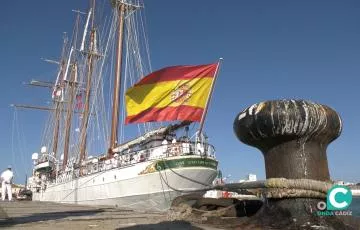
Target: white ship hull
127	187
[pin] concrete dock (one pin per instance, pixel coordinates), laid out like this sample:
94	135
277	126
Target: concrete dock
44	215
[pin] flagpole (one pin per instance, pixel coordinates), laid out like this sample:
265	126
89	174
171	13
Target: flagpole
202	121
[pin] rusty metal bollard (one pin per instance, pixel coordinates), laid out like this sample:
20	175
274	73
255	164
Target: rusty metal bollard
293	136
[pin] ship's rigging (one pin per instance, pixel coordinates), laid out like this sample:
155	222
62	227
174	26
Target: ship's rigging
87	122
84	144
95	69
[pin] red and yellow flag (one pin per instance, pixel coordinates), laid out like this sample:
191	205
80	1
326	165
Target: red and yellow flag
172	93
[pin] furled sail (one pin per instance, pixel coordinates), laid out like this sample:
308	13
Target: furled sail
148	135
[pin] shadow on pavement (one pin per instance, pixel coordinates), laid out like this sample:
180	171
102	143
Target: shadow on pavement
6	221
166	225
3	214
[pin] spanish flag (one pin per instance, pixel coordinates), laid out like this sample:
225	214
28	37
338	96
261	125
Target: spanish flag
171	93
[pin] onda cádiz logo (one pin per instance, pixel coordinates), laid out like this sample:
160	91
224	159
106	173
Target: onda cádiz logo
338	199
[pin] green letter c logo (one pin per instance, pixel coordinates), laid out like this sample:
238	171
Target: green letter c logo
338	198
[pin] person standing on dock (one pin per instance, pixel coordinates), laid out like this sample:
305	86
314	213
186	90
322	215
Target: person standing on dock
6	181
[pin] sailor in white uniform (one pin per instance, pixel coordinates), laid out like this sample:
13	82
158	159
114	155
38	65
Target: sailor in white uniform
6	180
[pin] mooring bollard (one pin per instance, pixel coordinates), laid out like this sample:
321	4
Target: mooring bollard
293	136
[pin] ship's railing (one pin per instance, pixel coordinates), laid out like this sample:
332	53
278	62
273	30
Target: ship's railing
46	158
129	158
158	152
167	150
48	163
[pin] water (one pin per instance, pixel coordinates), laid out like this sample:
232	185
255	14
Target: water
355	206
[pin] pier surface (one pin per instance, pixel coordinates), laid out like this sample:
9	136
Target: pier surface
44	215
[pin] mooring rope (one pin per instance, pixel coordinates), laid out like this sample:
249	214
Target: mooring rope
271	188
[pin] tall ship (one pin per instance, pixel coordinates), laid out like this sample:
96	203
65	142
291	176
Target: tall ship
106	92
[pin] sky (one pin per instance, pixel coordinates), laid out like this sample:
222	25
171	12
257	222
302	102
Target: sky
272	50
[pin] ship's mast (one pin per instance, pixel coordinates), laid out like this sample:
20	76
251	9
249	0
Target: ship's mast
85	119
122	6
117	81
72	85
69	113
56	128
58	102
